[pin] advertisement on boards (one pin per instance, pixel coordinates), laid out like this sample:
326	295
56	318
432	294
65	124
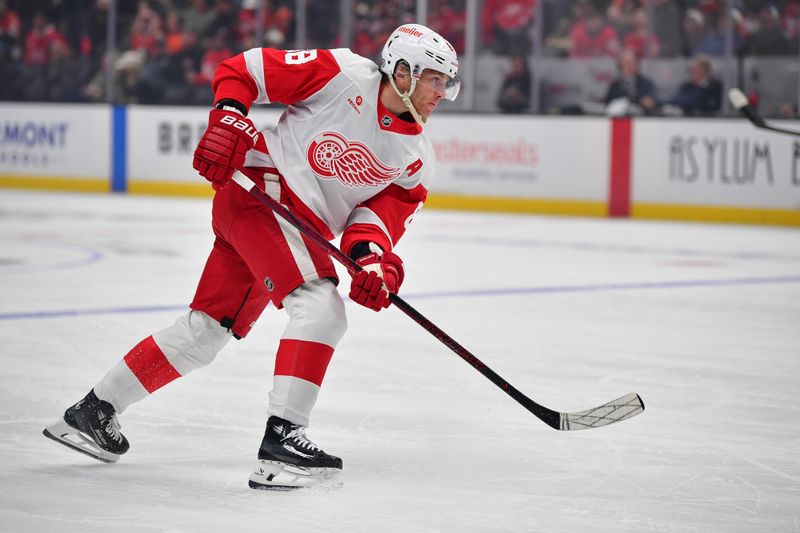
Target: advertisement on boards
476	155
55	141
161	141
521	156
715	163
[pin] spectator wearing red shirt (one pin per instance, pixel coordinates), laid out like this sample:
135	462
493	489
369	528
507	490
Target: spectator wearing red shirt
592	36
365	41
37	42
791	20
506	25
147	29
217	52
640	40
450	21
10	28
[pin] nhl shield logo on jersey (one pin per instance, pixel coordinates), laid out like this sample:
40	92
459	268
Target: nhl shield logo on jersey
331	156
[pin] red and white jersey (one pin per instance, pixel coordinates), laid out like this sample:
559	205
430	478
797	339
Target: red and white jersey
349	164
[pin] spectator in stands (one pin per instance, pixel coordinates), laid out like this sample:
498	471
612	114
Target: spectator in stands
556	26
37	42
620	13
10	32
449	19
198	18
147	29
10	50
28	28
666	25
217	52
713	41
768	39
631	92
65	73
129	68
702	93
639	38
791	21
225	15
323	24
94	89
176	40
694	30
591	35
163	80
507	25
364	41
515	92
74	20
274	38
282	19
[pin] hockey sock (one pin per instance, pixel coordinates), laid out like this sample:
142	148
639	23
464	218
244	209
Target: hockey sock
150	366
142	371
299	369
191	342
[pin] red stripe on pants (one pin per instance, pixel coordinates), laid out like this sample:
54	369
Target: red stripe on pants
619	201
150	366
303	359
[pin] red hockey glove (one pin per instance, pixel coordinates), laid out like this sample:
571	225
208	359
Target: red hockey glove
382	274
223	146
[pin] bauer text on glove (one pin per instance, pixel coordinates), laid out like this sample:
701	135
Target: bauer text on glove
223	146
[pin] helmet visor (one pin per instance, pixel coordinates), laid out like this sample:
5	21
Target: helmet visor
442	83
452	88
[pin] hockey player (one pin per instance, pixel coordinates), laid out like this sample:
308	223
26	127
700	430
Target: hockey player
348	156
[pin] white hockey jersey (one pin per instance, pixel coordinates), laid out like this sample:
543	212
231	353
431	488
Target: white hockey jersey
348	165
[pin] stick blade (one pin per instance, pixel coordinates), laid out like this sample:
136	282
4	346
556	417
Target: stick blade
612	412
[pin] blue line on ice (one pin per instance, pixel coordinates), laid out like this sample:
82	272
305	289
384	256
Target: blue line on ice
678	284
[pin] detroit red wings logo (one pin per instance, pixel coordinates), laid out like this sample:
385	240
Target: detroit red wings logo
331	156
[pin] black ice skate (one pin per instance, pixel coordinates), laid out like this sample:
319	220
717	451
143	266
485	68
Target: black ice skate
288	460
91	427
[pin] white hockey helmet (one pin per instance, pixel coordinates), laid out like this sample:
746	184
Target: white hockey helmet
421	47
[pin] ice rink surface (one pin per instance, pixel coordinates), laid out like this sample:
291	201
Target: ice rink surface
703	321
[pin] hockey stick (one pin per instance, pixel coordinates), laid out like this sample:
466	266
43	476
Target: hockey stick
618	410
740	102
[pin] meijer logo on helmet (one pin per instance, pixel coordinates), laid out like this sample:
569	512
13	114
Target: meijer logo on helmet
411	31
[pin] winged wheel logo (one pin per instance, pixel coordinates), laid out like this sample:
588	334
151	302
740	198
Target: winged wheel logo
331	156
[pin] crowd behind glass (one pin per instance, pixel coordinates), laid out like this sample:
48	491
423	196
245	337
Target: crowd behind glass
651	57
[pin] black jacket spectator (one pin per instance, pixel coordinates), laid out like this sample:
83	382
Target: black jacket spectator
701	94
631	84
696	99
514	95
769	39
634	89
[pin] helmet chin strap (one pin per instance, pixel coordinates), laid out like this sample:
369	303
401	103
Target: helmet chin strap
406	98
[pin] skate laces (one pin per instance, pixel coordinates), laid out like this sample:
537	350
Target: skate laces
299	436
113	429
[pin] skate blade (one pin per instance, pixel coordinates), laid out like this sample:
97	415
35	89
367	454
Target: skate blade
275	475
63	433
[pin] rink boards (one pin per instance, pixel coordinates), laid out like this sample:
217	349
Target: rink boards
721	170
